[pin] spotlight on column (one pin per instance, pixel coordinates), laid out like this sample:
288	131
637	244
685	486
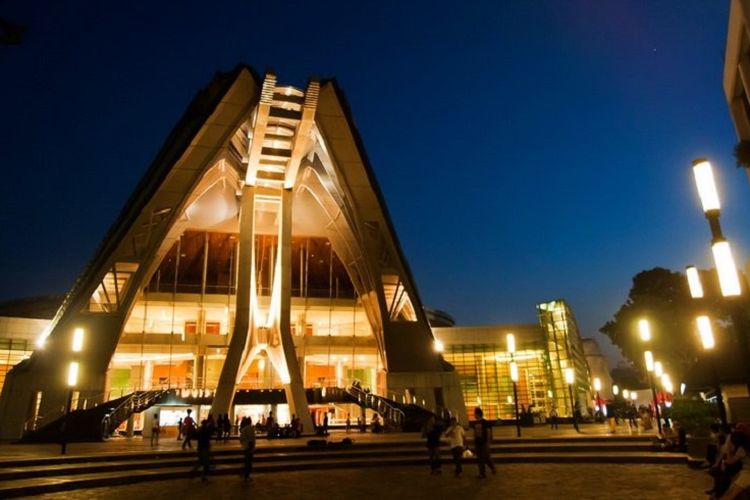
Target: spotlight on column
439	346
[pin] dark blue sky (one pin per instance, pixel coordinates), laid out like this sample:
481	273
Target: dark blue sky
527	150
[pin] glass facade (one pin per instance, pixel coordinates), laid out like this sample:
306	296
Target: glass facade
484	372
177	333
565	350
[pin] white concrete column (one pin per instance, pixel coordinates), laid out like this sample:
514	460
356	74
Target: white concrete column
295	389
228	378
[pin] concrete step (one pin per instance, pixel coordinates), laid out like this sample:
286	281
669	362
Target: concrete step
270	455
62	482
552	443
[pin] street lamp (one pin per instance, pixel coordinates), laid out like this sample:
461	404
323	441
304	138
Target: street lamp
510	341
597	388
625	394
644	329
514	378
708	342
633	395
729	281
570	378
650	368
658	369
694	282
615	390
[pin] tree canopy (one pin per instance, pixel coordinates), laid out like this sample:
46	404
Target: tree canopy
662	297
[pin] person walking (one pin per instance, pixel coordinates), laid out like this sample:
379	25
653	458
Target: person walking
348	422
576	416
482	441
188	429
203	436
155	430
553	419
432	432
247	441
457	442
179	429
325	424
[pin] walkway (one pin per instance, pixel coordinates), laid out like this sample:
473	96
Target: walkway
9	451
513	481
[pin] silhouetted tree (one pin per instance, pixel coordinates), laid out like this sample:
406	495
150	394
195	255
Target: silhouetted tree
663	297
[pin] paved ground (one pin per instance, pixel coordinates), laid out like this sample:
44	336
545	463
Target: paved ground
513	481
10	451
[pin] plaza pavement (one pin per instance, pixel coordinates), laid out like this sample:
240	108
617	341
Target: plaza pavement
116	446
513	481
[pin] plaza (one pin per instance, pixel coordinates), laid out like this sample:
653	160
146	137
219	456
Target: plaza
307	250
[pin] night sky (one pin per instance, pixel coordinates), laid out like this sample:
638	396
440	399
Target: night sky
527	150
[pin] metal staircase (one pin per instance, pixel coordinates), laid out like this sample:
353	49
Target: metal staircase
408	417
97	423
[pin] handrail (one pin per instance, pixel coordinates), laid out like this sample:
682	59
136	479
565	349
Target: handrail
396	414
137	401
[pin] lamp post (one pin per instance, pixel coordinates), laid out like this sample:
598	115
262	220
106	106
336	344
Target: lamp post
510	340
570	378
598	387
729	280
514	378
706	332
650	366
644	331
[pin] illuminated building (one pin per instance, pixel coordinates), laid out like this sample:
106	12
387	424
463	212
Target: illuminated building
543	353
256	252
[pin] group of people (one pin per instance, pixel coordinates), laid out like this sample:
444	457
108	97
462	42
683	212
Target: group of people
482	433
728	461
209	429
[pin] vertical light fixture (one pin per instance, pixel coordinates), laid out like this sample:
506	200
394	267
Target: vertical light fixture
72	374
694	282
644	329
729	281
77	340
649	358
706	184
706	332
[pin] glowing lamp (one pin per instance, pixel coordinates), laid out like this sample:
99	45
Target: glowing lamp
649	357
658	369
510	340
644	329
729	281
439	346
597	384
77	340
73	374
514	371
633	395
694	282
705	331
615	390
625	393
704	181
569	376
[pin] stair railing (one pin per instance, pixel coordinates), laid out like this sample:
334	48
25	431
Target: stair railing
377	403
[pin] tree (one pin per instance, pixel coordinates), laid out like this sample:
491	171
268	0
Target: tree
661	296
